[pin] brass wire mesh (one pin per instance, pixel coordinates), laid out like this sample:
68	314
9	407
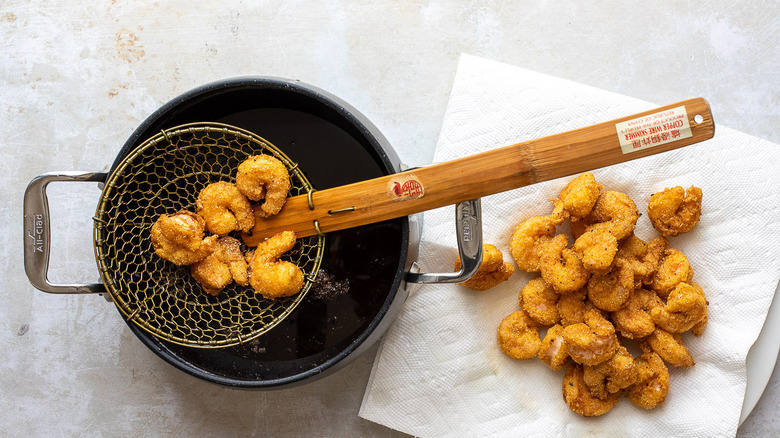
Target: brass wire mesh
165	175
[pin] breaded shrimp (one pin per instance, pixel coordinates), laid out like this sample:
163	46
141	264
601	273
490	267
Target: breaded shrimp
572	307
612	375
685	307
580	195
670	347
531	235
613	218
579	227
561	267
634	320
271	277
579	398
264	177
673	270
491	272
593	341
597	247
611	291
179	239
675	211
643	256
618	210
553	351
518	336
698	328
652	385
539	301
223	266
225	208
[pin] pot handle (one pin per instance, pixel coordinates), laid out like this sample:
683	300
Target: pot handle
37	232
468	225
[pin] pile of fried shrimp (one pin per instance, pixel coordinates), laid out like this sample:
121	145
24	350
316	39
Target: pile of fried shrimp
605	291
216	260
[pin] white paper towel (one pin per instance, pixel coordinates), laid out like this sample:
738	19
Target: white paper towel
439	371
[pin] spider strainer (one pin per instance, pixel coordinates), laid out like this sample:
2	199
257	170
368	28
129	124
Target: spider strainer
165	175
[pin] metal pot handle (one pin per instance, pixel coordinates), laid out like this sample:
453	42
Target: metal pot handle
37	232
468	223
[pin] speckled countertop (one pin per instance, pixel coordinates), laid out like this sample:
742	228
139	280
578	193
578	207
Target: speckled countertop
79	77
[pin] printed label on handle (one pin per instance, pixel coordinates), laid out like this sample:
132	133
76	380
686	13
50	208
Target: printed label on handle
468	222
653	130
405	187
35	232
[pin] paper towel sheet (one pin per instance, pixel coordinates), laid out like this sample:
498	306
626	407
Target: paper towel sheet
439	371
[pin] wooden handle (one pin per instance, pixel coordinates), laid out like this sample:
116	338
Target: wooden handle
651	132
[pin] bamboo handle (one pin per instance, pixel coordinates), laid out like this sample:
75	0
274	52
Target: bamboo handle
651	132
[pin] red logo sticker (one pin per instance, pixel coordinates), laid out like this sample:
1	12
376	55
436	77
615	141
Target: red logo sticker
405	187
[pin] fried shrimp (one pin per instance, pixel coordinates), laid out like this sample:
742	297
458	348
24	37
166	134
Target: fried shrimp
593	341
579	227
518	336
264	177
225	208
670	347
634	320
611	291
580	195
531	235
675	211
685	307
652	385
271	277
553	350
223	266
613	218
179	239
618	211
673	270
579	398
597	247
616	373
561	266
698	328
606	287
539	301
572	307
643	256
492	271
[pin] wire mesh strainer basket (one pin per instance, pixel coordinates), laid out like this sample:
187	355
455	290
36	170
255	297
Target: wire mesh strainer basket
165	175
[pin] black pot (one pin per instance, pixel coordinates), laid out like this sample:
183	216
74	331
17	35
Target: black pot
334	145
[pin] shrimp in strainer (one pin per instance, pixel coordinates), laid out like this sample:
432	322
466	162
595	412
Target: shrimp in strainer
179	238
222	267
271	277
225	208
264	177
